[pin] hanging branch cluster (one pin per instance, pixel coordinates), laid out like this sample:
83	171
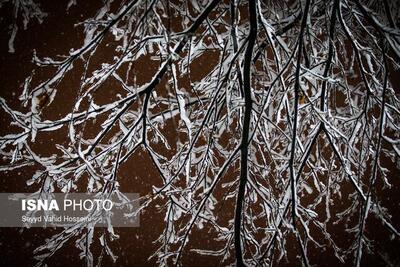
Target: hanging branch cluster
293	107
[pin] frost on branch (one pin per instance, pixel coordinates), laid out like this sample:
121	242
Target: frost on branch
283	117
22	10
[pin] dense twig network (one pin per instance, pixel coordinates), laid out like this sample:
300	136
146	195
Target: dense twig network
295	107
